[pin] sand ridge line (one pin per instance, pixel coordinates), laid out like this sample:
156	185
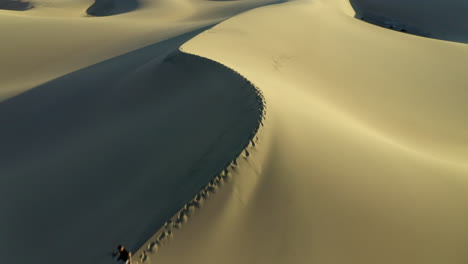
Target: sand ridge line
188	210
139	120
166	232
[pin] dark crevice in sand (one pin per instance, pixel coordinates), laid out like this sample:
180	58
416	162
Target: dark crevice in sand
444	20
107	154
15	5
112	7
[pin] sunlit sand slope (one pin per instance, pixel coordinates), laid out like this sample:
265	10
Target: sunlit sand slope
364	151
57	37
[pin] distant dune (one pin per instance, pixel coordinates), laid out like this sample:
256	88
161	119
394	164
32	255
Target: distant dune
446	20
111	7
15	5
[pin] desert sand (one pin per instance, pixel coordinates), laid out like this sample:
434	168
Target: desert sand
250	131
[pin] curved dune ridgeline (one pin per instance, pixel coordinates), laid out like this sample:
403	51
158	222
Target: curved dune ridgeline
243	162
445	20
107	154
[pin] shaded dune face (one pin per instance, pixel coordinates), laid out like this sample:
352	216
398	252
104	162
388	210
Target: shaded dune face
107	154
112	7
446	20
15	5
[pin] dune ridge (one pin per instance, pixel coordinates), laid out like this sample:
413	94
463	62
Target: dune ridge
166	232
366	157
101	137
126	116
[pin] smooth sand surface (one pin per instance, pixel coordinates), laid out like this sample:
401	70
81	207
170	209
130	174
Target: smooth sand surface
361	156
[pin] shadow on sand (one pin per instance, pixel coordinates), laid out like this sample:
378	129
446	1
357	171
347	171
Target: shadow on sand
15	5
432	19
107	154
111	7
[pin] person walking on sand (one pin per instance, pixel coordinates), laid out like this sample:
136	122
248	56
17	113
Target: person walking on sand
124	255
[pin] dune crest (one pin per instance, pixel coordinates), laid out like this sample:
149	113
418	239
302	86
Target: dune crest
221	185
115	149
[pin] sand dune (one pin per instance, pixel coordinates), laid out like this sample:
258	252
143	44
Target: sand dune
105	155
290	133
438	19
14	5
111	7
56	37
363	158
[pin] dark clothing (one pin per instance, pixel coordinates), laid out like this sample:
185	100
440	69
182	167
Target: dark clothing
124	255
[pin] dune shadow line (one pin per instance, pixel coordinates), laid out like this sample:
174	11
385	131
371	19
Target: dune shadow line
105	155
